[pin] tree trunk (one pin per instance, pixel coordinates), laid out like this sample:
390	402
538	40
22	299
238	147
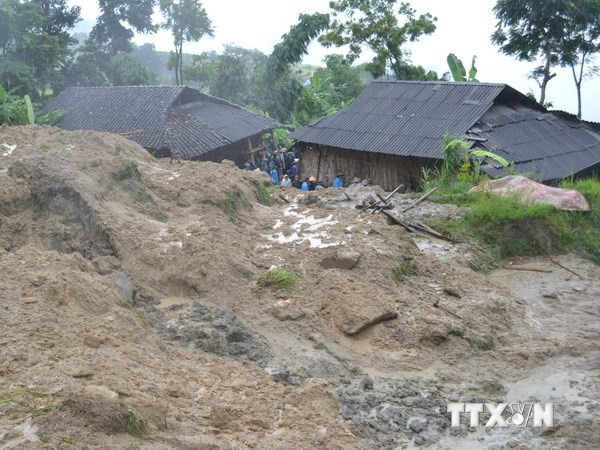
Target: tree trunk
547	75
181	62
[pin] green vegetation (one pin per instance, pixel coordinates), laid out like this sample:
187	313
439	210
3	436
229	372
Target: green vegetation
506	226
264	196
159	216
131	171
405	269
45	410
482	344
230	205
136	424
279	278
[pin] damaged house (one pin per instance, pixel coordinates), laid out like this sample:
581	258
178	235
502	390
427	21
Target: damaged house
168	121
394	130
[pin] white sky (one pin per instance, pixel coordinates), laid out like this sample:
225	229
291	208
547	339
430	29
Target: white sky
463	27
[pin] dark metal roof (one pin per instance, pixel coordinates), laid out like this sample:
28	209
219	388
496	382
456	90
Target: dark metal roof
406	118
176	118
409	118
543	143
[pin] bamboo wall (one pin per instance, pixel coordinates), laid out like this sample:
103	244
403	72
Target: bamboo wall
387	171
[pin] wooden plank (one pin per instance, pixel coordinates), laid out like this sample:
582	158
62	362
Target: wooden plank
420	199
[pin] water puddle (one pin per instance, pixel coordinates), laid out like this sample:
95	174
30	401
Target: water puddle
305	227
170	301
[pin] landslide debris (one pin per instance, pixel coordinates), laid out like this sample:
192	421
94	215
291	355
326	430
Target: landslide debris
132	313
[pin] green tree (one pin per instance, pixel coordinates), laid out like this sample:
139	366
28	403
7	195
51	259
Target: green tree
530	30
348	81
125	69
318	99
582	43
34	43
234	73
375	24
110	33
188	22
276	90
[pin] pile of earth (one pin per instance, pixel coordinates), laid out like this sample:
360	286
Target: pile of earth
134	310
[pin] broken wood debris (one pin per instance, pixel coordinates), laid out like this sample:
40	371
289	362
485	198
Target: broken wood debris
376	204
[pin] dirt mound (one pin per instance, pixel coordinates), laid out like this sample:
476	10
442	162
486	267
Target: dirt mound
131	291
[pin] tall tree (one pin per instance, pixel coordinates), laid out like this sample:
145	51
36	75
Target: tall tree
234	72
532	30
582	43
375	24
111	35
277	90
188	22
34	43
347	81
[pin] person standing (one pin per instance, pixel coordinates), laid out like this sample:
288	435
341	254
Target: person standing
274	175
294	169
286	182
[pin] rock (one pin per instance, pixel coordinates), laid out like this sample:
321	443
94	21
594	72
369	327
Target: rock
417	424
39	279
367	383
286	310
354	314
79	372
124	284
453	292
278	373
344	260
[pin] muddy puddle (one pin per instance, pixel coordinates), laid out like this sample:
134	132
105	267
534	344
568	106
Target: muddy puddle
562	309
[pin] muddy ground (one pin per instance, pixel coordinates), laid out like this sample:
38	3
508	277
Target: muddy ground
132	317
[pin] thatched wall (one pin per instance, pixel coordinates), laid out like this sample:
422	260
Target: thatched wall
387	171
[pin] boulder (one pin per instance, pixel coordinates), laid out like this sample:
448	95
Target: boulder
344	260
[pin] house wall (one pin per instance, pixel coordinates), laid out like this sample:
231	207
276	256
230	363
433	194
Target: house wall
387	171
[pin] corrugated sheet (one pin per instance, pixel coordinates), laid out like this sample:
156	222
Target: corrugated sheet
402	117
539	142
155	119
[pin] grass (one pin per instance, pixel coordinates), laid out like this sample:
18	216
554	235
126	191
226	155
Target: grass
131	171
279	278
405	269
482	344
230	205
263	194
159	216
506	226
137	425
9	398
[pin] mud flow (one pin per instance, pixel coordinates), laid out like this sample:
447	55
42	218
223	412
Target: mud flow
139	309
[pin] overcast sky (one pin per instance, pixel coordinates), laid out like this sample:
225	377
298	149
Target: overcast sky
463	27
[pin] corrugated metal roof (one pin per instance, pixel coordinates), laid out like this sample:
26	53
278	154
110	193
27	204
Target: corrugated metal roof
410	118
406	118
155	118
543	143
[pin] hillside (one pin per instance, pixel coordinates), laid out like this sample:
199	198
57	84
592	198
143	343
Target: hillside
144	304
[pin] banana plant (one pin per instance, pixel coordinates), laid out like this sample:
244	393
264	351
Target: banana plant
459	73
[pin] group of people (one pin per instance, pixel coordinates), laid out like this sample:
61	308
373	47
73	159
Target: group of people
282	167
277	162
